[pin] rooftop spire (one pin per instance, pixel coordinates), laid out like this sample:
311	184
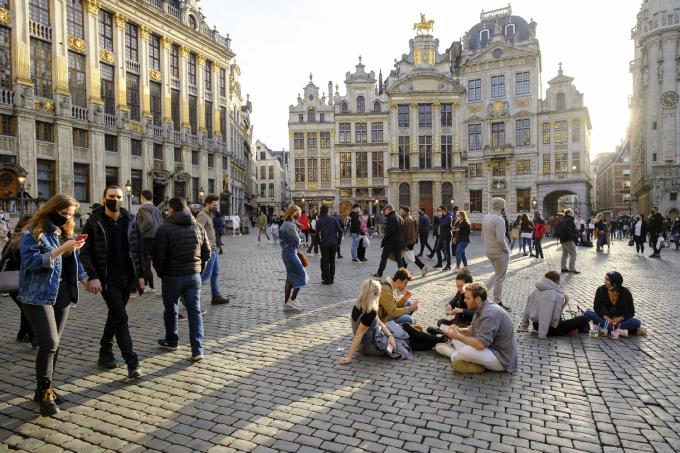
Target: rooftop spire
559	71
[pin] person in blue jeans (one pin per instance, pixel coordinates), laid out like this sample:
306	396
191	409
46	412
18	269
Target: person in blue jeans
180	251
212	270
461	230
614	305
526	230
357	235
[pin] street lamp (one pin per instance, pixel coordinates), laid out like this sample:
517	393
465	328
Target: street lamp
534	203
573	168
128	191
22	181
201	194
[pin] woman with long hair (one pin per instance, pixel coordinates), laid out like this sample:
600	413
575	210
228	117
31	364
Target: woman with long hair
11	261
296	276
526	232
640	230
462	236
48	285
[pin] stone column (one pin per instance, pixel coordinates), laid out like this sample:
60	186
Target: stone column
200	91
165	87
184	84
119	51
92	49
97	178
59	49
144	75
413	120
21	44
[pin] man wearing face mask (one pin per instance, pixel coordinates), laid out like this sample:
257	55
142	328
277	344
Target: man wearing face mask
212	270
113	257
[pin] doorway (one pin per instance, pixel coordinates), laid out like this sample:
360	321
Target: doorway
158	192
426	197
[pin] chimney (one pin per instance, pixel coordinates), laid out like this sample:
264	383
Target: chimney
330	92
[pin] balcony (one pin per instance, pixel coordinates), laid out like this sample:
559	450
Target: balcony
499	151
174	83
40	31
192	139
7	143
208	95
177	136
132	66
6	97
110	120
345	181
325	185
666	171
378	181
192	89
157	131
79	113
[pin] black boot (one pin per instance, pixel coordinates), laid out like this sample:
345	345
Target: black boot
107	360
57	398
48	403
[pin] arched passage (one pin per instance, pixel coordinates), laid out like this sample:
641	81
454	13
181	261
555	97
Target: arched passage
557	201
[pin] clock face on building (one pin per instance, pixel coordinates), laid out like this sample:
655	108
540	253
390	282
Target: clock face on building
669	99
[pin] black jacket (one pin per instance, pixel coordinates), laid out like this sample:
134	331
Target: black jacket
644	229
656	223
329	229
624	305
394	235
445	227
354	223
93	255
567	229
463	233
423	225
181	247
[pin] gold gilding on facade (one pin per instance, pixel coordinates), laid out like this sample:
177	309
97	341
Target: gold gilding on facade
155	75
75	43
107	56
93	6
4	16
144	32
121	20
185	51
166	42
45	105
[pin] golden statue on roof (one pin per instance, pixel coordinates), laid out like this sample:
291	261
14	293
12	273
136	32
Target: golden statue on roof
423	26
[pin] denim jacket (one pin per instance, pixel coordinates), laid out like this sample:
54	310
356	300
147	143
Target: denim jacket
39	276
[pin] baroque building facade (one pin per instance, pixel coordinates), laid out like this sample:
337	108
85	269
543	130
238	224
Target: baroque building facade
654	122
142	94
272	182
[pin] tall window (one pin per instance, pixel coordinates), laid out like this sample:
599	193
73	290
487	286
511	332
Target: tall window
195	158
107	89
561	101
497	135
211	161
498	168
447	151
378	168
193	114
376	107
76	79
5	59
207	75
155	98
6	125
475	201
271	172
325	140
425	115
521	83
560	132
325	170
361	104
131	42
157	151
155	52
223	82
191	68
405	194
111	144
74	18
299	140
311	140
111	175
498	86
546	133
576	162
475	90
523	200
263	172
446	115
361	133
81	182
223	124
425	151
403	115
45	170
561	162
105	30
175	109
345	165
576	131
344	108
44	132
136	182
194	189
135	145
271	190
523	167
546	164
404	152
447	192
41	68
522	132
80	138
474	137
475	170
174	61
132	95
209	118
311	116
345	132
39	11
362	164
377	132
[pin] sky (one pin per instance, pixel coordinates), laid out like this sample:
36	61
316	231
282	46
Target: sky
279	42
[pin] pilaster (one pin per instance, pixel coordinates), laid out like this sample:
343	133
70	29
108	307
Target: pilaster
59	48
119	52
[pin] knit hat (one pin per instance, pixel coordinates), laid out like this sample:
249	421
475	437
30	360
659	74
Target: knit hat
497	203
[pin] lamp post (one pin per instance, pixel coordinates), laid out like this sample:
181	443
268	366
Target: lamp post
201	195
534	203
128	192
22	181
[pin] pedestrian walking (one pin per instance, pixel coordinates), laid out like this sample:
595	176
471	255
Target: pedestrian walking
496	249
515	232
11	261
342	225
539	233
424	232
526	228
393	242
218	225
435	232
655	231
304	225
211	273
357	231
313	248
568	234
330	231
236	225
149	218
444	242
461	230
262	226
410	234
181	251
296	276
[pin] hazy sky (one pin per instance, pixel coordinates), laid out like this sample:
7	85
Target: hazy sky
279	42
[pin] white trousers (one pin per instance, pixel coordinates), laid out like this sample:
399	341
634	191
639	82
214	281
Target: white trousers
457	350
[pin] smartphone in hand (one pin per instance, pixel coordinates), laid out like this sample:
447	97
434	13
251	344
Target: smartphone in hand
81	237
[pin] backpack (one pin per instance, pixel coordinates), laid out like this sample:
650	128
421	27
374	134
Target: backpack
362	225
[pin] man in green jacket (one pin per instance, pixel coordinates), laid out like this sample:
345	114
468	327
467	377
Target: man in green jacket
212	270
391	308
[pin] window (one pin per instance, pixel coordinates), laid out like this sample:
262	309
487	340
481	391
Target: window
132	95
575	131
560	162
155	52
271	190
376	107
155	98
312	169
447	192
311	116
325	170
653	157
174	61
475	90
74	18
546	133
673	196
523	200
498	86
76	79
263	172
44	132
576	162
446	151
522	132
497	135
111	176
523	167
263	189
378	168
5	59
546	164
561	101
299	170
136	181
6	125
157	151
207	75
361	104
80	138
175	109
135	145
311	140
522	83
177	155
193	114
194	189
475	201
211	161
111	143
325	140
322	117
498	168
405	194
475	171
345	132
224	164
209	118
404	152
41	68
425	151
39	11
560	132
425	115
344	108
131	42
361	132
107	89
474	137
45	173
191	68
223	82
105	30
509	30
403	115
81	182
301	118
195	158
271	172
223	123
345	165
484	36
376	132
362	164
299	140
446	115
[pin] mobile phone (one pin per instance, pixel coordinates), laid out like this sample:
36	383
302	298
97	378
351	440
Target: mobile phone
389	349
81	237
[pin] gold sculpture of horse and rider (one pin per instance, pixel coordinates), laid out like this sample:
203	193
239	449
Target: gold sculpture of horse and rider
423	26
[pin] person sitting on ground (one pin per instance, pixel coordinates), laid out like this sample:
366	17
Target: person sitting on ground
488	343
456	306
544	310
373	337
614	305
391	308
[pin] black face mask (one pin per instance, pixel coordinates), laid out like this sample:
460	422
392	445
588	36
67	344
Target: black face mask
213	210
57	219
112	205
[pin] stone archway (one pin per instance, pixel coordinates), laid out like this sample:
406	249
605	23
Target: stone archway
552	205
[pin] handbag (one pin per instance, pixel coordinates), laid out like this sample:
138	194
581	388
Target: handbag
9	281
303	259
515	233
660	243
366	242
631	243
410	256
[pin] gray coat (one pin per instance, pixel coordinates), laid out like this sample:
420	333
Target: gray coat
544	306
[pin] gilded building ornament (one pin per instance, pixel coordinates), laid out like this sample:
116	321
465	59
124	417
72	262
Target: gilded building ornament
414	105
4	16
107	56
155	75
523	103
185	51
75	43
144	32
47	106
93	6
200	59
393	106
121	19
436	105
424	26
166	42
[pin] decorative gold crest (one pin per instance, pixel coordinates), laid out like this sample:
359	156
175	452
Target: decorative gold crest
4	16
185	51
144	32
76	43
93	6
166	42
107	56
155	75
200	59
47	106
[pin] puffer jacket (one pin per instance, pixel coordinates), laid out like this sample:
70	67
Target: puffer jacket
94	253
544	306
181	247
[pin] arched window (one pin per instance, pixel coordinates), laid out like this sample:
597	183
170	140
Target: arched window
447	193
510	30
311	116
404	194
561	101
376	106
192	22
343	107
484	35
361	104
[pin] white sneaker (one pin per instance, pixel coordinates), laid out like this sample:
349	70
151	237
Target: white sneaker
197	358
424	271
293	305
623	332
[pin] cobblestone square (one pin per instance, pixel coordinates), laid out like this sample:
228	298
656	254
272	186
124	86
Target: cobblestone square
271	381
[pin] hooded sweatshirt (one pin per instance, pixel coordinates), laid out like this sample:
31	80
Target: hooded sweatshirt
544	305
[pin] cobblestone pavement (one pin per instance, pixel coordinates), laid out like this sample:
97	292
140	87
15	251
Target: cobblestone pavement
272	382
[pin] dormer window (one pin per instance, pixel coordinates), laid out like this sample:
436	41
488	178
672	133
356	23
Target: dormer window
311	116
361	104
484	36
376	107
561	101
343	107
510	30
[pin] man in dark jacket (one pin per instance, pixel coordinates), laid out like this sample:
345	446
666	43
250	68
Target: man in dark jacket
337	217
567	236
393	242
444	241
410	232
180	253
358	250
113	257
330	231
424	232
149	218
435	232
655	230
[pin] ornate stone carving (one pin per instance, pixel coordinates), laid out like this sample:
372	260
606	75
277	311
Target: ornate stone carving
107	56
166	42
4	16
75	43
185	51
474	109
200	59
121	20
93	6
47	106
522	103
155	75
144	32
